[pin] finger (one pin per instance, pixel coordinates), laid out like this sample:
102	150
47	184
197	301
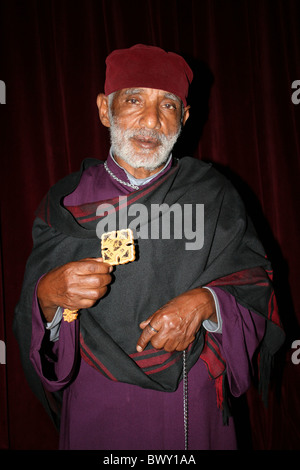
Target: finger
183	345
93	259
93	280
170	346
84	299
91	299
100	260
144	323
96	266
145	337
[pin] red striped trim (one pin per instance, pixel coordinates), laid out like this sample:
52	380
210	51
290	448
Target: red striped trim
144	353
169	364
88	355
273	313
255	276
219	391
88	210
157	358
212	357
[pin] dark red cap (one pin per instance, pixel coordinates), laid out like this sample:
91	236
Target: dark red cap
148	67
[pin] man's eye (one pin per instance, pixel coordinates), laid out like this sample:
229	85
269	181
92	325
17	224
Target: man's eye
169	106
133	100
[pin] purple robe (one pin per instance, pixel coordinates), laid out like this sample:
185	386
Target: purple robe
98	413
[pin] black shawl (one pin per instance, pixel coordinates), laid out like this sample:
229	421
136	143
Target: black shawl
231	257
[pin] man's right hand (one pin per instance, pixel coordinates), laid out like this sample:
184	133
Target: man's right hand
75	285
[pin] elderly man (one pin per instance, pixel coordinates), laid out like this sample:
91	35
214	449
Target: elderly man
157	345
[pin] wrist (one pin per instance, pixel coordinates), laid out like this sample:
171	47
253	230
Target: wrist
48	310
207	303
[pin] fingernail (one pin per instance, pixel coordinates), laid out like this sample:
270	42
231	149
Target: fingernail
139	349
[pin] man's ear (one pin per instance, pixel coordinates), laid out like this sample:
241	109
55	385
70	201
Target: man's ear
186	114
102	103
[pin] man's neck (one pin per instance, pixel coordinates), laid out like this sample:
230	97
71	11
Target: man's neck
138	173
140	181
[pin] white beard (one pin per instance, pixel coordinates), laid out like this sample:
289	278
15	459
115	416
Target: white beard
145	158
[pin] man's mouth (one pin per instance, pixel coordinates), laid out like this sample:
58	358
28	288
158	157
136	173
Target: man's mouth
146	143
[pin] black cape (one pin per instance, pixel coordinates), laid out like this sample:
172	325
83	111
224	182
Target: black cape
231	257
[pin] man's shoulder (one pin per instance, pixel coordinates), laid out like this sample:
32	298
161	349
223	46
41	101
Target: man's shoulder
73	178
201	169
87	164
65	186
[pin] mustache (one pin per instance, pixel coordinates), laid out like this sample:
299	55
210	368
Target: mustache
150	134
145	133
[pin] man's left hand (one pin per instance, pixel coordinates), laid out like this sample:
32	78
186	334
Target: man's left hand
174	326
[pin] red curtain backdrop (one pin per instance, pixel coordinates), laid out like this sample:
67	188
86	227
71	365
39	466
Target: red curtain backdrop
246	56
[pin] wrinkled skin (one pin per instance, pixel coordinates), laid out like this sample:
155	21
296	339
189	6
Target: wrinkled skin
178	321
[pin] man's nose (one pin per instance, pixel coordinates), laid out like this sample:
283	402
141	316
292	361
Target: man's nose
150	117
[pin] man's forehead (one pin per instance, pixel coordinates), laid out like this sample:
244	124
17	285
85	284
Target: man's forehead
137	91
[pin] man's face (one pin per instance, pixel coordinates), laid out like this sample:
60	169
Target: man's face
144	126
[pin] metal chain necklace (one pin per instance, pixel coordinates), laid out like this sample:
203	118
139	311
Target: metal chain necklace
184	369
118	179
185	402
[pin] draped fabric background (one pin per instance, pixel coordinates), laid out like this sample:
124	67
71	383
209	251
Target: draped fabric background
246	57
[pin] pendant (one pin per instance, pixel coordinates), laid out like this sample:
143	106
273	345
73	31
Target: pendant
117	247
70	315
